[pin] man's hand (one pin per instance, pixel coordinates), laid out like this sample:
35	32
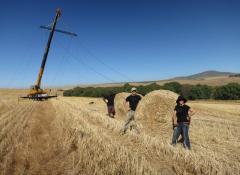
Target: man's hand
105	100
191	112
175	123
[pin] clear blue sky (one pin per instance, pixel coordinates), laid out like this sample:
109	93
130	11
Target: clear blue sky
118	40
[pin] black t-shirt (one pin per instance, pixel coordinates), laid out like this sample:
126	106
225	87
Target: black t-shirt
110	99
133	101
182	113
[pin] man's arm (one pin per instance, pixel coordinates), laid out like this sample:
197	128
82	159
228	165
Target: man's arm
105	100
174	119
140	98
127	104
191	112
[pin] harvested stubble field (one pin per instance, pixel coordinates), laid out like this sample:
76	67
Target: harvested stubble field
70	136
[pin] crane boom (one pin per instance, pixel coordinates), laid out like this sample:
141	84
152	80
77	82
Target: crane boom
44	60
36	92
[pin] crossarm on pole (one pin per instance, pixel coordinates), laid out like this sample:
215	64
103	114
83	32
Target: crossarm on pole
60	31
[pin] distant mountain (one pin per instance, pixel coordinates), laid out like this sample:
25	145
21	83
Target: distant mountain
207	74
211	78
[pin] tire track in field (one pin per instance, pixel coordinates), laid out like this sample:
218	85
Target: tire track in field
39	140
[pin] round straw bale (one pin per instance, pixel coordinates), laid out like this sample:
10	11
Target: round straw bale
119	101
157	105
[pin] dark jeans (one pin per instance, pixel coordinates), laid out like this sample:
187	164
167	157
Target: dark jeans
181	127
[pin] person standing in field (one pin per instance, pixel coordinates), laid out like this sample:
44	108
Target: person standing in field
109	100
131	103
181	119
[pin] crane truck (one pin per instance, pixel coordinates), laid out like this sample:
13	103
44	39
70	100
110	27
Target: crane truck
36	92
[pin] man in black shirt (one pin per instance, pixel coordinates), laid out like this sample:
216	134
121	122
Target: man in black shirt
131	102
109	100
181	120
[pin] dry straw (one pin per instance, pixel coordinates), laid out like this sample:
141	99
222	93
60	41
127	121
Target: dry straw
65	136
157	105
120	107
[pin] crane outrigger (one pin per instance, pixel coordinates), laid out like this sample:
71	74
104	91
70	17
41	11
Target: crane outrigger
36	92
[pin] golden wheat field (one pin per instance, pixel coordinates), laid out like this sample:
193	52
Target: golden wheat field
70	136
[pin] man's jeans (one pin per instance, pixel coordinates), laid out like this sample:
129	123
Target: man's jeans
181	127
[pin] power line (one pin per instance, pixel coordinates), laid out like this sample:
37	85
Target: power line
62	60
104	64
90	53
88	66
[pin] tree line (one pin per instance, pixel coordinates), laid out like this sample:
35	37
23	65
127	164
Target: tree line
234	75
226	92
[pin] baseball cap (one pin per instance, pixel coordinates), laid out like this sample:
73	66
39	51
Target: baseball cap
133	89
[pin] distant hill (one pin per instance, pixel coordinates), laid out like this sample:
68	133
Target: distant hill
211	78
207	74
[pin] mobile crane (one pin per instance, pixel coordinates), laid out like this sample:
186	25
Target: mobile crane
36	92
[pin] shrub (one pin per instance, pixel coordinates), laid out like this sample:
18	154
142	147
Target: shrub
228	92
200	92
173	86
186	91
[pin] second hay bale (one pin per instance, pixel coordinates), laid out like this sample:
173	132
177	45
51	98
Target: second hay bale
157	105
119	101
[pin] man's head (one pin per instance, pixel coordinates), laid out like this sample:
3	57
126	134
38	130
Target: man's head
181	100
134	91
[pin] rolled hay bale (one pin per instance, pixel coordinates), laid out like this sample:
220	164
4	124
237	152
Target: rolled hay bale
157	105
119	103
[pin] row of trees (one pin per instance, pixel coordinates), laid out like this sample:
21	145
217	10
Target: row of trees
235	75
227	92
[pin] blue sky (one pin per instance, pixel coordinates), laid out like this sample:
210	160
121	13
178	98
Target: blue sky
118	40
